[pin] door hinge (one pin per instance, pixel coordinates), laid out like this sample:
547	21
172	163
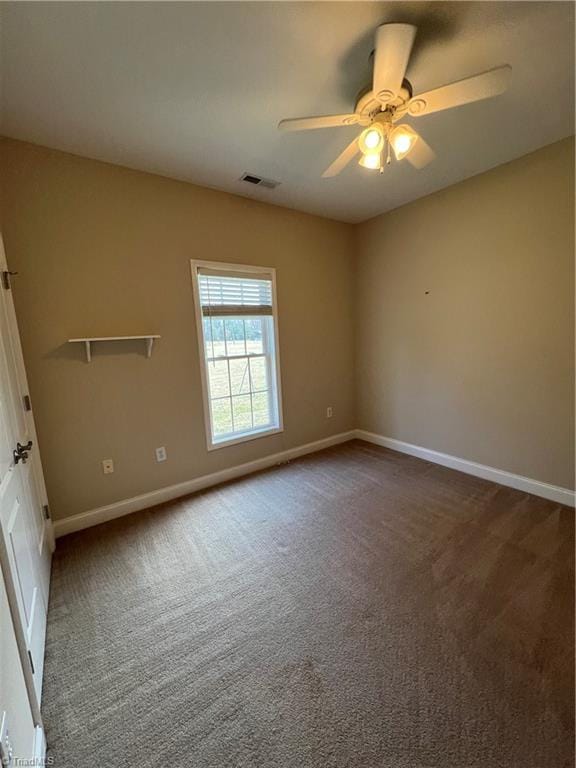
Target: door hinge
46	510
6	282
31	662
27	403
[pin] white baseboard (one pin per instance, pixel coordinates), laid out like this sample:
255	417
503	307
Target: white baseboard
145	500
527	484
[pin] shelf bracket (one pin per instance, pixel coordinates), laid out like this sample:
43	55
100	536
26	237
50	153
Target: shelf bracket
88	349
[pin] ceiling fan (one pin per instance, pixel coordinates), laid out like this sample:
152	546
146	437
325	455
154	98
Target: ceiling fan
390	98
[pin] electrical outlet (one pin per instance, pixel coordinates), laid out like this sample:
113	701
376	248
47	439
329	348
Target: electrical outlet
329	412
161	454
108	466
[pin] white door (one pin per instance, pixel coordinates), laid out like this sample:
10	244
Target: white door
25	532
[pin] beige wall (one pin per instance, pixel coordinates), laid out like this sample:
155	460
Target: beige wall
463	311
465	318
102	250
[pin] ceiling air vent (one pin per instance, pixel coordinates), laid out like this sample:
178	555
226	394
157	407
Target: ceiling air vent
258	181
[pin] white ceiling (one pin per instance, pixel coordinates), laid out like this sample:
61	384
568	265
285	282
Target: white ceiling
195	90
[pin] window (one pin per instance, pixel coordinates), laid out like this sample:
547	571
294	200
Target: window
238	336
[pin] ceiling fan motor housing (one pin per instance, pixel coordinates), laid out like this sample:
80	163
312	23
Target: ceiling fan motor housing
368	105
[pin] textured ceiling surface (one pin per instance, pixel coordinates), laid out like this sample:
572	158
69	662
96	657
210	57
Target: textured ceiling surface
195	90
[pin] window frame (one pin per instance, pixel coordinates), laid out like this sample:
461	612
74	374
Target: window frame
212	444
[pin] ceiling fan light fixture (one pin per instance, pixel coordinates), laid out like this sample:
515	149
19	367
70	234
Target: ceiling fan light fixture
371	160
389	97
402	140
371	140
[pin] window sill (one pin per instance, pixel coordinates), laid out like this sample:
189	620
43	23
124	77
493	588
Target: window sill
213	446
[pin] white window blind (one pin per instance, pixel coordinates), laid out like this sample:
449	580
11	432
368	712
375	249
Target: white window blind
235	294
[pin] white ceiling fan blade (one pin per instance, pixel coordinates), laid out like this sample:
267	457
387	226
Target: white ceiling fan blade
421	153
323	121
342	160
475	88
393	47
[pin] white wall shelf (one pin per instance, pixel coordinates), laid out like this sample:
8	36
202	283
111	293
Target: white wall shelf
148	338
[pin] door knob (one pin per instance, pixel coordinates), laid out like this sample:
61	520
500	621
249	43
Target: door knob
19	456
20	453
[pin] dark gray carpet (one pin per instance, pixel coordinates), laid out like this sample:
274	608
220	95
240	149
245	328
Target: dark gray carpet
356	608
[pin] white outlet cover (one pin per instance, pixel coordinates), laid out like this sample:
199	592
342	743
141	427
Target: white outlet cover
108	466
161	454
